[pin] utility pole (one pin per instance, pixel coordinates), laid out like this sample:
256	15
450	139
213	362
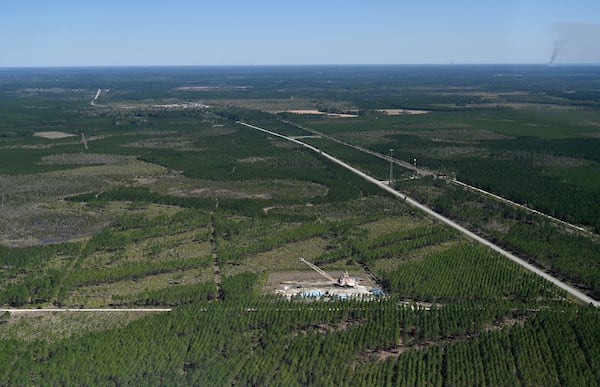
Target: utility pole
391	167
416	170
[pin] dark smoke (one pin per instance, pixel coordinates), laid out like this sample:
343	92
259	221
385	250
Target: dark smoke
555	51
576	43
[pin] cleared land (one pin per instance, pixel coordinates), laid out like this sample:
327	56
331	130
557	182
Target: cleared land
173	206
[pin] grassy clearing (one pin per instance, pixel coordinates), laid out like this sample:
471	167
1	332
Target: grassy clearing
130	168
182	144
286	257
391	264
37	225
276	189
59	221
105	294
164	248
387	225
149	210
52	327
33	212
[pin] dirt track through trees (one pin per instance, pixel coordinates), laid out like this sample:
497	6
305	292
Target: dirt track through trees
213	249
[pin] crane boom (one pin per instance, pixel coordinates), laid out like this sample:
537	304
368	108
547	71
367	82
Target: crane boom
318	270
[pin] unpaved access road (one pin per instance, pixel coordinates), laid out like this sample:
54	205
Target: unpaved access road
569	289
93	103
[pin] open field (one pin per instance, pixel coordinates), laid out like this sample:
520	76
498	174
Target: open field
170	203
56	326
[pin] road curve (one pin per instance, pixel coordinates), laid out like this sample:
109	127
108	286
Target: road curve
569	289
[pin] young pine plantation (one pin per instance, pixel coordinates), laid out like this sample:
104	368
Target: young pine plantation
180	227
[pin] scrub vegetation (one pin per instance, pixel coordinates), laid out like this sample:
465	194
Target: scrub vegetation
160	198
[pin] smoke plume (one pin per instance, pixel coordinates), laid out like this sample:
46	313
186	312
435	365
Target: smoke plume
555	51
576	43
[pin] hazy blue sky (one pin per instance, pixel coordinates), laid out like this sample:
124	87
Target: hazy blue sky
240	32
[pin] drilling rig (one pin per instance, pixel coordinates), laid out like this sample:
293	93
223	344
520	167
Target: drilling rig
344	281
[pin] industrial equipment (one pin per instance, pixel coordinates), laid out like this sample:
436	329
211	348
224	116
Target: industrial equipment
345	280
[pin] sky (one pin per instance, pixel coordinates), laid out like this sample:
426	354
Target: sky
280	32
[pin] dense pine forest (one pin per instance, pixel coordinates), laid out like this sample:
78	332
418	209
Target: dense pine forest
147	236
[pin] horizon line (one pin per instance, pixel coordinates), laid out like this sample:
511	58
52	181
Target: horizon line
545	64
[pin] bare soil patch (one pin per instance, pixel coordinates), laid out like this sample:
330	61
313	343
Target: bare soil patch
495	225
267	209
308	275
53	135
293	282
254	159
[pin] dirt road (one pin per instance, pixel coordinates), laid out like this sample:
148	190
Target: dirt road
95	97
570	290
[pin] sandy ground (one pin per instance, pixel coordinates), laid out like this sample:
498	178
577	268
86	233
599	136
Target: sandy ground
53	135
311	284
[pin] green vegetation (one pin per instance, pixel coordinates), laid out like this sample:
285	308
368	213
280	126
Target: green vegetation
165	202
543	169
